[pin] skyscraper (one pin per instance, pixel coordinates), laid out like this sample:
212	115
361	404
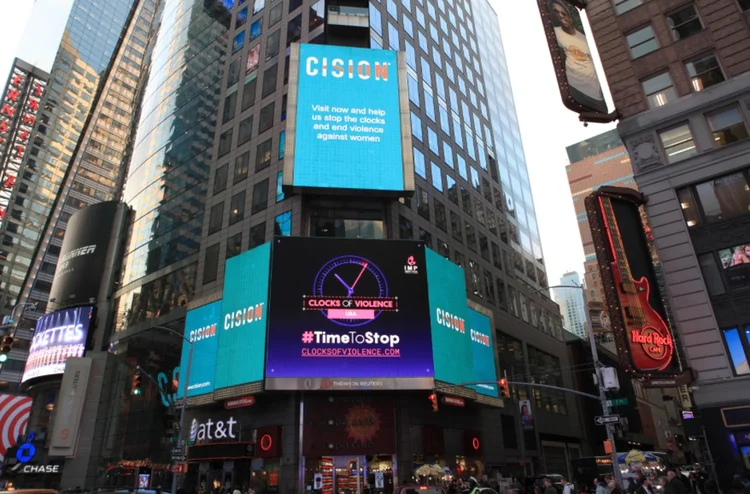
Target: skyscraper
206	182
75	155
680	83
572	305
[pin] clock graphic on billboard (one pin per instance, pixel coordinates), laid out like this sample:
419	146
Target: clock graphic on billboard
351	291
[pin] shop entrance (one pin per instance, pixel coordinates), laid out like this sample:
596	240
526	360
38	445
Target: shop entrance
350	474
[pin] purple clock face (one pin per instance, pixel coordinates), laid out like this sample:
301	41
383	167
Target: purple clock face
351	291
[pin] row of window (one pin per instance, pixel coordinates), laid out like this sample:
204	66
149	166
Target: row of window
715	200
737	341
622	6
727	126
237	202
704	71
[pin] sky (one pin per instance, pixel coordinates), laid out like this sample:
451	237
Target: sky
547	127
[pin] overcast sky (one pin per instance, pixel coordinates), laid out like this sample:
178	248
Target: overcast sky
547	127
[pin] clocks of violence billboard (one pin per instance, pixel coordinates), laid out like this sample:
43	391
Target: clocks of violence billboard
348	125
348	314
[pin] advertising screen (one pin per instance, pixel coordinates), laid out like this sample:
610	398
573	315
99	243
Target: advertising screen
57	337
483	351
202	329
242	329
571	56
451	345
346	126
736	262
348	314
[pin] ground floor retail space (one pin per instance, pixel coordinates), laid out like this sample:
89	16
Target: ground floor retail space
727	434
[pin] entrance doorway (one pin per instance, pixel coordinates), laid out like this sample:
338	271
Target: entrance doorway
350	474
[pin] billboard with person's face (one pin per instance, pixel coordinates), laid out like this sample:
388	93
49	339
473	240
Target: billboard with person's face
572	57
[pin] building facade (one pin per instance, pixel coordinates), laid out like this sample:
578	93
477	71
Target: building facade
76	148
572	305
678	74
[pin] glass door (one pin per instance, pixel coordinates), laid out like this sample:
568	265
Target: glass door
350	475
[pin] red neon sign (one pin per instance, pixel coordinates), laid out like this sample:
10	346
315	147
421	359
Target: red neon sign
266	442
475	443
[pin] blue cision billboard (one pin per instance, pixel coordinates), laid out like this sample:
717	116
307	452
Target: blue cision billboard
451	346
242	329
348	314
348	125
483	352
202	329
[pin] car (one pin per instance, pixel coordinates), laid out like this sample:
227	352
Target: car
421	489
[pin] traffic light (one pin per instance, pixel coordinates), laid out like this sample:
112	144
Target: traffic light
137	382
504	389
434	401
5	347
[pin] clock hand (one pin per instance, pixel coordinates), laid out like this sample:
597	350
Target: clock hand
349	289
364	266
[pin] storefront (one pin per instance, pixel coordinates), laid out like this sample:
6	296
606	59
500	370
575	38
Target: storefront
349	443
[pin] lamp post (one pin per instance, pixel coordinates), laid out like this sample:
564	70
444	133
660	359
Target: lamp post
599	378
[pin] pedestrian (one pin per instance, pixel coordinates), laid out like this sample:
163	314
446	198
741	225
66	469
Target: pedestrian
567	488
614	488
548	488
601	486
674	484
644	487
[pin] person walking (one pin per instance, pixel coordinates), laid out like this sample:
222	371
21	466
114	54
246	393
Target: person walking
548	488
675	484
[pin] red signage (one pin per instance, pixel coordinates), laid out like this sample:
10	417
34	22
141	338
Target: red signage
454	401
268	442
472	442
245	401
627	265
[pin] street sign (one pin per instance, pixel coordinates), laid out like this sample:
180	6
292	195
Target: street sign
187	442
617	402
177	450
606	419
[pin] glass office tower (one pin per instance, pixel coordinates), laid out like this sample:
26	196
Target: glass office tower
76	150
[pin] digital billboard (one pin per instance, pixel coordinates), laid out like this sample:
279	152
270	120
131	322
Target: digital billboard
202	327
57	337
242	328
348	314
579	84
644	339
348	125
451	345
483	353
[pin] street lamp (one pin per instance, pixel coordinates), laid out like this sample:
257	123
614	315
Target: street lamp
184	390
599	378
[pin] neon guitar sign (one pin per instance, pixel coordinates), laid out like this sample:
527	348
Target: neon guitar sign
648	336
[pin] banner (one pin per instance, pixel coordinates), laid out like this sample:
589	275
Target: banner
69	408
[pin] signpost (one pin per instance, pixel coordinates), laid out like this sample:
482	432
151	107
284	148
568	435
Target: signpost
617	402
606	419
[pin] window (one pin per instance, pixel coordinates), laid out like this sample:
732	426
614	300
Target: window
239	41
642	42
215	218
416	126
263	155
225	142
724	197
266	117
230	105
246	130
317	15
737	350
272	44
727	126
294	5
220	178
678	143
253	59
260	196
684	22
405	228
456	229
283	225
256	28
419	166
257	235
280	195
745	5
466	200
294	30
425	237
269	81
282	144
496	258
248	94
237	208
452	189
241	18
423	203
689	206
211	264
241	167
437	176
441	219
258	6
711	274
659	90
275	14
234	245
471	238
704	72
489	287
